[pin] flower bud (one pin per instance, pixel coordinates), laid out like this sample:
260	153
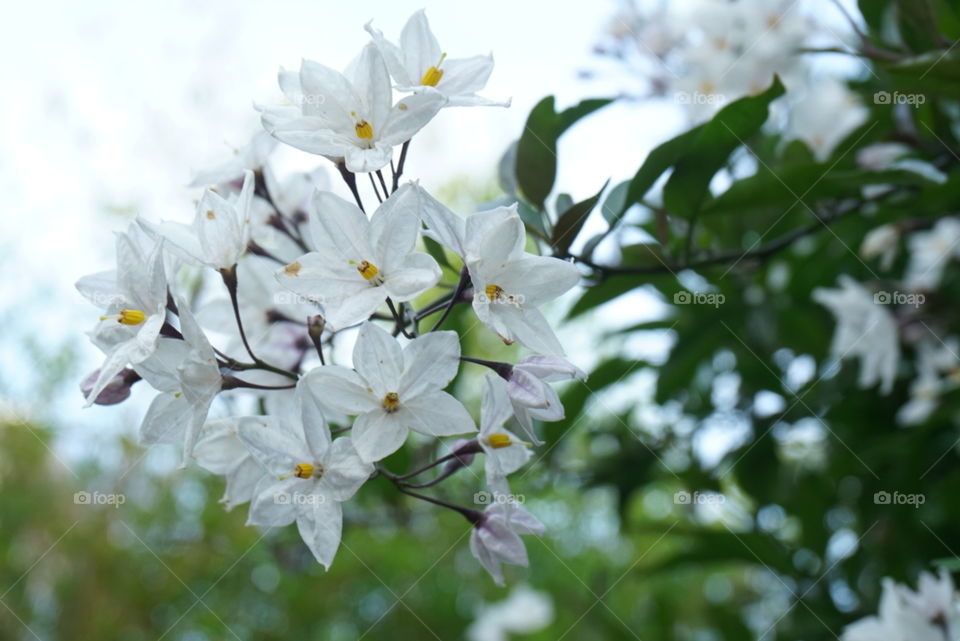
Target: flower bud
116	391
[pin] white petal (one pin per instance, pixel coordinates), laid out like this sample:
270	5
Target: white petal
430	362
416	274
340	226
377	434
345	471
341	389
436	414
271	505
320	524
419	45
378	358
165	420
410	114
462	76
538	279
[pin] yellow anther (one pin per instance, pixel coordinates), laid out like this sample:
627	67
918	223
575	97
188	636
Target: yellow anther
210	214
493	292
127	317
303	470
391	401
368	270
364	130
499	440
293	268
433	75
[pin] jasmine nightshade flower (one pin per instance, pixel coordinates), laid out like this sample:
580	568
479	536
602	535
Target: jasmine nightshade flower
938	371
251	156
930	251
523	612
418	62
135	298
881	242
188	375
220	231
308	476
495	539
865	329
348	116
358	263
392	390
504	452
509	284
531	395
222	452
932	613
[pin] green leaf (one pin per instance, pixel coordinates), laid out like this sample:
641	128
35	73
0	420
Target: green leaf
436	250
537	153
571	115
570	222
689	184
614	205
658	161
536	160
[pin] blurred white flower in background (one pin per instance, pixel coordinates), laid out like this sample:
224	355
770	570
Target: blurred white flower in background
931	613
523	612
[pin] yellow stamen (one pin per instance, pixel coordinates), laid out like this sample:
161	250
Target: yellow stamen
493	292
433	75
391	401
497	441
127	317
367	269
363	128
303	470
210	214
293	268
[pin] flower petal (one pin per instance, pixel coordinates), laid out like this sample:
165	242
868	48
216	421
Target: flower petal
378	358
340	389
430	362
436	414
377	434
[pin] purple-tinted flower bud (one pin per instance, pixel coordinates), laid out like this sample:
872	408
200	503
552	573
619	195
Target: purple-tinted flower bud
116	391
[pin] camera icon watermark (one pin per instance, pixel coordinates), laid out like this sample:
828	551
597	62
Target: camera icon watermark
899	298
898	498
897	98
299	498
98	498
699	298
486	498
682	497
700	98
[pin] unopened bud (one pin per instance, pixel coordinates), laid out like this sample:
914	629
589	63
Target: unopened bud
116	391
316	325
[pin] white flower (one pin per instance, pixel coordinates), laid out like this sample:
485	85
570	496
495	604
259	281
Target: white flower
930	251
222	452
251	156
220	231
880	156
504	452
393	390
826	114
882	242
932	613
530	394
525	611
134	296
308	475
509	284
495	540
348	115
419	62
934	359
865	329
359	263
188	375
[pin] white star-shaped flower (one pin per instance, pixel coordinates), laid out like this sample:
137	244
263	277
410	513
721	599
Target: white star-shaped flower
358	263
392	390
418	62
348	116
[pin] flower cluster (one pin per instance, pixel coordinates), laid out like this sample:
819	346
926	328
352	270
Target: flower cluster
705	54
879	322
931	612
297	269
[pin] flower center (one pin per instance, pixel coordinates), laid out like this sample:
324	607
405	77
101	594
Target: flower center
433	75
493	292
499	440
127	317
390	402
303	470
368	270
363	128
